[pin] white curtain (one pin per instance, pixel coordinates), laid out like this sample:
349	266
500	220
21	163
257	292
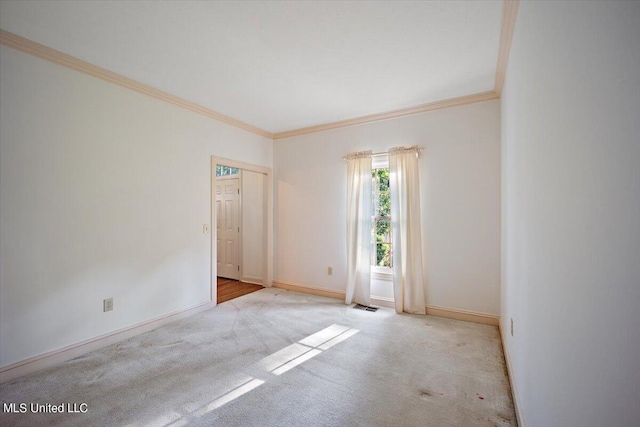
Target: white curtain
358	228
406	233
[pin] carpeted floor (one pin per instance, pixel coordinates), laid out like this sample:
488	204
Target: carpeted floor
280	358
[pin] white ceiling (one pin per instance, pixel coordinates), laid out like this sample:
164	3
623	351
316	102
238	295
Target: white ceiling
279	65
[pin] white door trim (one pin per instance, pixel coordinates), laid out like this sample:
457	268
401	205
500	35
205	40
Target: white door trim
268	268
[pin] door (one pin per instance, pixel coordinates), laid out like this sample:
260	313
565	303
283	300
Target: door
252	227
228	227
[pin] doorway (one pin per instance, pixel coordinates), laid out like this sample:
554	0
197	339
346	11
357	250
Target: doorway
241	240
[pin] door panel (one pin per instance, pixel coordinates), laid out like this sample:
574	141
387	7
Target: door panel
227	227
218	213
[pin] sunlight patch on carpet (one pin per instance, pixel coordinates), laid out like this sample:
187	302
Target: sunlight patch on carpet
230	396
324	335
281	357
295	362
347	334
291	356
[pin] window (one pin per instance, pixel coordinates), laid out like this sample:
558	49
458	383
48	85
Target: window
381	220
226	170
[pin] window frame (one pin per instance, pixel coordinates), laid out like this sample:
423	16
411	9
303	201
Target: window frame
379	161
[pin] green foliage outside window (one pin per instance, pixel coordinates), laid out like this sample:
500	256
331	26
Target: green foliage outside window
381	229
226	170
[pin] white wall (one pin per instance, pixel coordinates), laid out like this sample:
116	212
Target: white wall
103	193
460	174
571	210
253	226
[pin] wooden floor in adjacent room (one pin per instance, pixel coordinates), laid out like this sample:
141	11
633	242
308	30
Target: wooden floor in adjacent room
229	289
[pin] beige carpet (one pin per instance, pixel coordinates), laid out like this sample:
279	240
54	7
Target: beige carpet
280	358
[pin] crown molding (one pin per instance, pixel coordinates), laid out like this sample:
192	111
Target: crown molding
507	28
48	54
509	14
439	105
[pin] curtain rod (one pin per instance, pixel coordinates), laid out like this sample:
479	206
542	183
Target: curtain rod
382	152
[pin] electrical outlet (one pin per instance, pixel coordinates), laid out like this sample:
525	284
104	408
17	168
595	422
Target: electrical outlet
205	229
330	271
107	304
512	326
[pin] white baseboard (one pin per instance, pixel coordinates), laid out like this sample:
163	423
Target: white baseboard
323	292
514	391
468	316
46	360
450	313
382	301
252	280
